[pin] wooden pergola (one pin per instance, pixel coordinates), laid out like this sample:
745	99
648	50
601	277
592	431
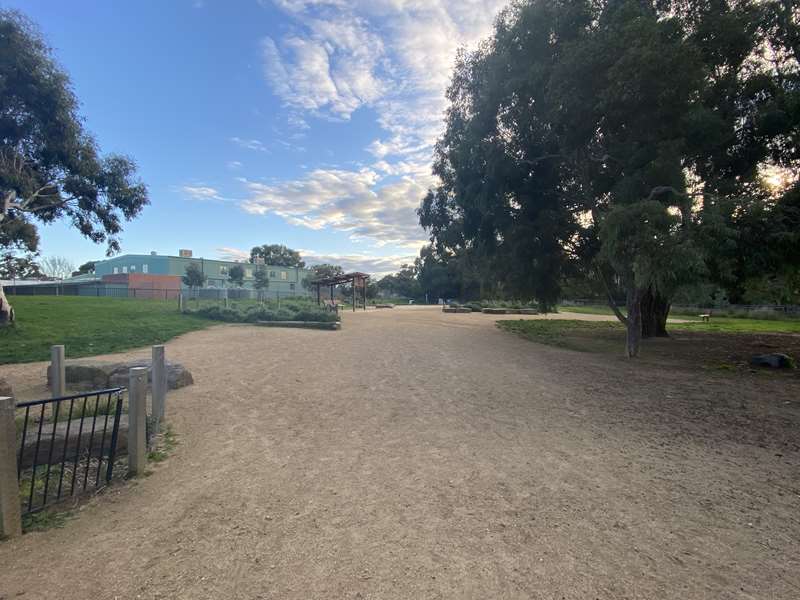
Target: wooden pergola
359	280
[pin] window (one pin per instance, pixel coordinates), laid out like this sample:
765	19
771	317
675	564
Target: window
284	275
124	269
116	270
291	286
133	268
272	274
145	268
248	272
223	270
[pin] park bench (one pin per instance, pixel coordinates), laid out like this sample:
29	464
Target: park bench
331	305
706	317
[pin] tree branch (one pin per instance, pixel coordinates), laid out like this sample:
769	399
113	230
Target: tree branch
611	302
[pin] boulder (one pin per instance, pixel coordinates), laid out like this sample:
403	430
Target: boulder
96	376
775	361
5	388
494	311
529	311
64	446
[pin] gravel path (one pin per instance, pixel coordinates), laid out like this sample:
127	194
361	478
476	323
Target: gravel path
419	455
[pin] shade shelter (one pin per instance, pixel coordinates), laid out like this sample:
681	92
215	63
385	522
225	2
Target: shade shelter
359	281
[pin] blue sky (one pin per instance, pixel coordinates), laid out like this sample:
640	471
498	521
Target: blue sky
303	122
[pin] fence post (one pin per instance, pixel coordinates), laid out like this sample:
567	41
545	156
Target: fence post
10	516
159	385
137	420
57	372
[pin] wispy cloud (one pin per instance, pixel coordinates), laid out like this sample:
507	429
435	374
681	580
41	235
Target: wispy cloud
366	263
357	202
200	192
249	144
393	56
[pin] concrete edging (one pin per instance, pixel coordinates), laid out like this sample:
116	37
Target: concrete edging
326	325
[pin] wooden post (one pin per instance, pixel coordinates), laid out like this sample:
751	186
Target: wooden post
137	420
354	294
10	516
57	372
159	385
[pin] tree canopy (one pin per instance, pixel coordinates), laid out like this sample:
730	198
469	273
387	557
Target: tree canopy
236	275
50	167
622	139
194	277
277	255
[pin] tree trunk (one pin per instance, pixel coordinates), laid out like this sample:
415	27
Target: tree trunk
6	310
634	322
655	309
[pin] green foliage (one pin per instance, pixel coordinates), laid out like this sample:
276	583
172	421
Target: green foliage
87	267
403	284
256	312
236	275
50	168
624	139
262	279
13	266
322	271
277	255
194	276
90	326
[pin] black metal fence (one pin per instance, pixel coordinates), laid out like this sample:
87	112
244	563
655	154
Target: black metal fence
67	445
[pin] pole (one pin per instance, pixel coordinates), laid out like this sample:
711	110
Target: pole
57	372
159	385
137	420
10	515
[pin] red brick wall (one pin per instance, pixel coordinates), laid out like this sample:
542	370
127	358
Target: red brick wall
142	285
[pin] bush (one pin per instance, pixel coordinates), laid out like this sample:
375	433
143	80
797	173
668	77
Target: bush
255	313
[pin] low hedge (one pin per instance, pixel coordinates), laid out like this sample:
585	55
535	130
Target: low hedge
253	314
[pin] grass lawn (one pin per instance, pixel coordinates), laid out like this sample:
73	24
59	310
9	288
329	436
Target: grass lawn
89	326
718	324
724	344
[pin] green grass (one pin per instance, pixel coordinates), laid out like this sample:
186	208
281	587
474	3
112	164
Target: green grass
165	446
559	332
716	324
739	325
89	326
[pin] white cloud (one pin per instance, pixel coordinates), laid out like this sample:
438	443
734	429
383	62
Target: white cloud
357	202
200	192
393	56
234	165
366	263
256	145
233	254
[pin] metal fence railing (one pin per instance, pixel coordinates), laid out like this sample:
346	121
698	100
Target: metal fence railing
111	291
68	445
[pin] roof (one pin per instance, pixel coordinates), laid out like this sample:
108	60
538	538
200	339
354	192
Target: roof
339	279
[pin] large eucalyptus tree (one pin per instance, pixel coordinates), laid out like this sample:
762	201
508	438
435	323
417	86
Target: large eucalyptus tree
50	168
623	138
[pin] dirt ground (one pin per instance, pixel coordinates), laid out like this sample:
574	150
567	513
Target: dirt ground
419	455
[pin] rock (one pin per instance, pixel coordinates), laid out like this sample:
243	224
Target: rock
529	311
494	311
775	361
96	376
62	444
5	388
178	376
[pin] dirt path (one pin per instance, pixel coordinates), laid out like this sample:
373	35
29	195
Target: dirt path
421	455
